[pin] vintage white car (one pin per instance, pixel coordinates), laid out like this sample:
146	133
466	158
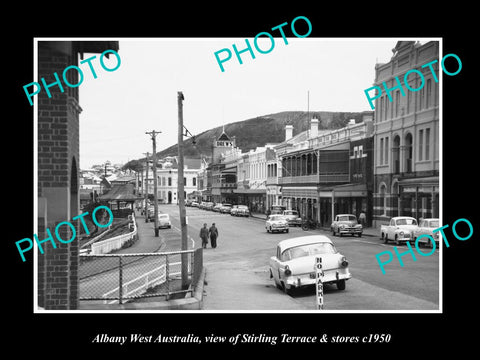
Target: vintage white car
292	217
240	210
164	221
400	229
346	224
276	223
426	227
293	266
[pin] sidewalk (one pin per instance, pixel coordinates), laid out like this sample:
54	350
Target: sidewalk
146	242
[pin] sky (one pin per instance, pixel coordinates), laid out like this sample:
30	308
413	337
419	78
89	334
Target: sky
313	74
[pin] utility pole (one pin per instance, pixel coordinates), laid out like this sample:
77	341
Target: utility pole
180	190
146	187
153	134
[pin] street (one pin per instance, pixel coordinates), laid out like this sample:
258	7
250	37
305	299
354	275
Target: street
238	274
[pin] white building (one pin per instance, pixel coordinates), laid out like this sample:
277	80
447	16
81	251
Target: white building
167	178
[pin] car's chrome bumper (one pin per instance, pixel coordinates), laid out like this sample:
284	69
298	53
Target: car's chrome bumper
350	230
329	276
283	227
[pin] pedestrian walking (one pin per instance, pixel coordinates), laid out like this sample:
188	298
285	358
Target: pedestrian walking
213	231
204	235
362	218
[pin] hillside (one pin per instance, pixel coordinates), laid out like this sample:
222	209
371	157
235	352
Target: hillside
261	130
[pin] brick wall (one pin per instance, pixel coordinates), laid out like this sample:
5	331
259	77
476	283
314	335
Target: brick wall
58	159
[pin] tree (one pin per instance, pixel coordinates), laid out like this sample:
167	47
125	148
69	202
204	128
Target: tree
134	165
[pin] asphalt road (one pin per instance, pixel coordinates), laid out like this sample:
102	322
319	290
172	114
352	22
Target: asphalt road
238	276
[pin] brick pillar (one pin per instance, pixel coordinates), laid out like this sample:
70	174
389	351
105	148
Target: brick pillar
58	158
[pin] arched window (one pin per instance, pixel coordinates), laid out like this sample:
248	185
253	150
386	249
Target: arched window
408	153
383	198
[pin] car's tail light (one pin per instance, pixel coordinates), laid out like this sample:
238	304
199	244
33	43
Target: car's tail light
287	272
344	261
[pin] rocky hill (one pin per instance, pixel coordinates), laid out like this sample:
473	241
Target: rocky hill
261	130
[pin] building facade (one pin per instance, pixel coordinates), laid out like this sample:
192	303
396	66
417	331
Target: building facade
58	170
406	140
317	177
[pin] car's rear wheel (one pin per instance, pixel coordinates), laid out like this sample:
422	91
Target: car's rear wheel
287	290
341	284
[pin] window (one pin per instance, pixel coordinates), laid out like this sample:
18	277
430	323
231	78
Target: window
169	181
386	108
360	151
422	98
380	111
397	102
381	151
383	199
420	145
429	93
427	144
184	181
194	181
386	150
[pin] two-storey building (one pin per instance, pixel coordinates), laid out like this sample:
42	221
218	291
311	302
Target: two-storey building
407	137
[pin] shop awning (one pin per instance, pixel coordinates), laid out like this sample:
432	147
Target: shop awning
300	191
250	191
351	190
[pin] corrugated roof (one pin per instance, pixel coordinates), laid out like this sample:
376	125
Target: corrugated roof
121	192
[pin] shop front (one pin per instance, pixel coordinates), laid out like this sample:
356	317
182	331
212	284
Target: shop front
419	198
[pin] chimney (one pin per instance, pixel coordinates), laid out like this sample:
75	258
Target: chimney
288	132
313	128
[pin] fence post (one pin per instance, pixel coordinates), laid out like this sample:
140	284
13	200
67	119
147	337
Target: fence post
192	265
120	280
167	270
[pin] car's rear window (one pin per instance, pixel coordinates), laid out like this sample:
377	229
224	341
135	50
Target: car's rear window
347	218
406	222
308	250
433	224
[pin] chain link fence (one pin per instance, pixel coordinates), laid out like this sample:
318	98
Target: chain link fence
120	278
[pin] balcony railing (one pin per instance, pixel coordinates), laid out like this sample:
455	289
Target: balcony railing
315	179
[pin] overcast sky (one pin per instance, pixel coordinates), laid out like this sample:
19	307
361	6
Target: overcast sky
141	95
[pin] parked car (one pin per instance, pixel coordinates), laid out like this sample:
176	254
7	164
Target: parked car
292	217
164	221
217	207
276	223
240	210
293	266
202	205
346	224
426	227
225	208
194	204
188	202
277	209
208	205
400	229
150	213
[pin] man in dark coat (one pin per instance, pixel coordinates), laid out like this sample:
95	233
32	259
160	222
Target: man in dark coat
204	235
213	231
